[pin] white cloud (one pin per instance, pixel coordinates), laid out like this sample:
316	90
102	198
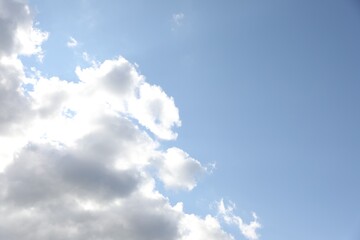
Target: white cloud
194	227
178	169
71	43
118	76
75	157
18	36
155	110
248	230
178	18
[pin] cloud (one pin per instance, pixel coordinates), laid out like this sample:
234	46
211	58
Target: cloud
248	230
178	169
71	43
77	158
18	36
178	18
156	111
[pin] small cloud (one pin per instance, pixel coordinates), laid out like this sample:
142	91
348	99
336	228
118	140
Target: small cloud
248	230
210	167
178	18
89	59
72	42
86	57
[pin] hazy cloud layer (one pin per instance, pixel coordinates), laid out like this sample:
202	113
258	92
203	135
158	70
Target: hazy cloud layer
75	157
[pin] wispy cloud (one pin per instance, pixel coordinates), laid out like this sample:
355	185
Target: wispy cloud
178	18
71	43
89	59
248	230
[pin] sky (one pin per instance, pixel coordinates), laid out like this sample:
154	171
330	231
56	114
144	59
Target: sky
182	119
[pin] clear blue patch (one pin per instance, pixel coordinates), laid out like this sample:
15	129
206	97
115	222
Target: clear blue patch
68	113
28	87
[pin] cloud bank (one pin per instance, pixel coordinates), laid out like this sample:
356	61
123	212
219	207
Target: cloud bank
78	158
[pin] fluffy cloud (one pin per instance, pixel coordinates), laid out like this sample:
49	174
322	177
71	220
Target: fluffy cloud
15	106
193	227
178	169
156	111
18	36
77	158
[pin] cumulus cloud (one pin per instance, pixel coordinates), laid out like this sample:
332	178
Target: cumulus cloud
156	111
77	158
194	227
18	36
178	169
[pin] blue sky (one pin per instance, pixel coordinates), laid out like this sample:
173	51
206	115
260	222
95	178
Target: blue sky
267	90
